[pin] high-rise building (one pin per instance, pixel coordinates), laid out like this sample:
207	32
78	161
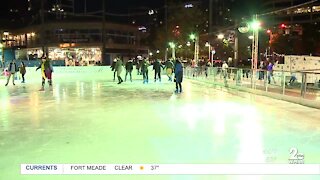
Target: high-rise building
289	11
220	14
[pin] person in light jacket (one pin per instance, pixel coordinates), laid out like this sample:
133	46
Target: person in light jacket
169	69
12	68
118	69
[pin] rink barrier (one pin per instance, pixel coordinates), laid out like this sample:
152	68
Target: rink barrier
305	90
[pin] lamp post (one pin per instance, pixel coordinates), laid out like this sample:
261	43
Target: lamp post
196	46
173	47
220	36
209	48
255	26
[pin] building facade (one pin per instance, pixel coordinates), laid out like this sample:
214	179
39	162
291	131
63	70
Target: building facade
291	13
76	43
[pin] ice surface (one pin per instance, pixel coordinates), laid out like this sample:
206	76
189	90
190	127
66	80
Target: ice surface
88	118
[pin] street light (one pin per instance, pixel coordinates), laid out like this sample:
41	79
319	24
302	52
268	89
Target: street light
195	38
221	36
209	47
173	47
255	25
192	37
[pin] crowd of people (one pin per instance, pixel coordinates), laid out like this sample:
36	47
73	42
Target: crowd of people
142	66
12	72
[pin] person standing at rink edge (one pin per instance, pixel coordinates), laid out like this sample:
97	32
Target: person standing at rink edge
178	73
12	68
46	72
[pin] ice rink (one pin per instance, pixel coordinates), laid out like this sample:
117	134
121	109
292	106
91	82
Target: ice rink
88	118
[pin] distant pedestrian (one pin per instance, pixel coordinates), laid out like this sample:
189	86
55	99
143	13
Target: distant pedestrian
23	71
207	66
129	69
138	66
293	78
194	67
157	66
225	69
261	70
178	73
169	69
12	69
118	69
145	72
270	73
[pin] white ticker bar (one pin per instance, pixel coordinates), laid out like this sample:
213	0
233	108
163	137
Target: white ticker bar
171	169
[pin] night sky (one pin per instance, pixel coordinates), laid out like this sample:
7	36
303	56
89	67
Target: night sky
243	7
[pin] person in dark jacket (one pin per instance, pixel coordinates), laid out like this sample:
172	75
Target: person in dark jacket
129	69
144	69
113	66
138	66
46	72
178	73
157	70
12	68
22	69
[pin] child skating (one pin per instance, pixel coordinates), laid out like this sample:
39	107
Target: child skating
12	69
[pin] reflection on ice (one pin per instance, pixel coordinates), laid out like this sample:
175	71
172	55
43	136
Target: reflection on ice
97	121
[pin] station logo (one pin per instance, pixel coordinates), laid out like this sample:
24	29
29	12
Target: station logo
296	157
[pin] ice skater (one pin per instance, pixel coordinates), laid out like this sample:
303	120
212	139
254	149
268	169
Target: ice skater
138	66
23	71
46	72
270	73
178	73
12	69
145	72
206	69
225	70
169	69
293	79
157	66
129	68
118	69
113	66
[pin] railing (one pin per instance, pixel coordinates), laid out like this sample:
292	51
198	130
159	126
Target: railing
302	85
